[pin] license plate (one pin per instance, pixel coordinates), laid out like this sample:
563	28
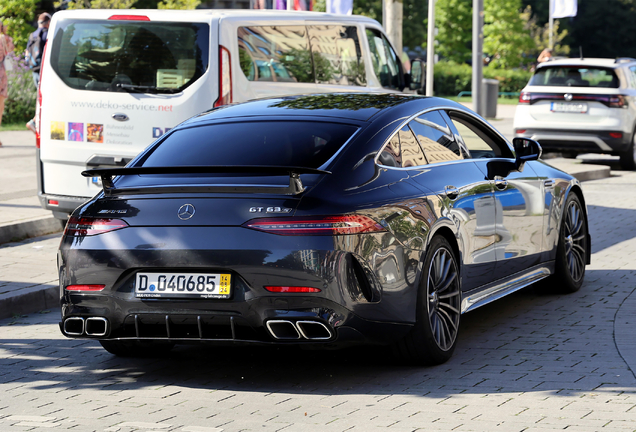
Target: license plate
183	285
579	108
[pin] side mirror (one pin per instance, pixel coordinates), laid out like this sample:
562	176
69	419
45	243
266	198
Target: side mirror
418	76
526	150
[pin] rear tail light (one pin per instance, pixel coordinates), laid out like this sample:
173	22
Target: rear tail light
616	135
520	131
85	287
318	225
92	226
53	202
291	289
225	78
617	101
129	18
524	98
38	104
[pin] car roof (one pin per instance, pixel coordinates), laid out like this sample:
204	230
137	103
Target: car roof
601	62
345	106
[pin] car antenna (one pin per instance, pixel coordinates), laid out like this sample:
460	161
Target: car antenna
581	51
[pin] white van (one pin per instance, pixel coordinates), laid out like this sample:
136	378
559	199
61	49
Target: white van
113	81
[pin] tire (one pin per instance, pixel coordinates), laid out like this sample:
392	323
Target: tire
434	335
572	248
136	348
628	157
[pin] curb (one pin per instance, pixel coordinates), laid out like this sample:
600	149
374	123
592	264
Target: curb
595	174
28	229
38	298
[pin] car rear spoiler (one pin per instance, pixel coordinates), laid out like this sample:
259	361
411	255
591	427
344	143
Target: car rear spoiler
295	184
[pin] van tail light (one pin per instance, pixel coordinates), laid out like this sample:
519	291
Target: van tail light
85	287
317	225
79	227
524	98
129	18
38	103
225	78
617	101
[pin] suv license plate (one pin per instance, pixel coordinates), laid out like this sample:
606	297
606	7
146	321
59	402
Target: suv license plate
183	285
577	108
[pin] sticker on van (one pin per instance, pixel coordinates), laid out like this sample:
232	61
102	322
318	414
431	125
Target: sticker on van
57	130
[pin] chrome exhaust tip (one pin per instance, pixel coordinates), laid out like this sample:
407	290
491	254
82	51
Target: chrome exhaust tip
283	330
314	330
96	326
74	326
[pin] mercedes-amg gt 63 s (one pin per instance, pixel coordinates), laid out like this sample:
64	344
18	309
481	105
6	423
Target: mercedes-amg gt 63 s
324	220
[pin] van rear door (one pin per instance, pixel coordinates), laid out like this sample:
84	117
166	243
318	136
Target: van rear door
113	84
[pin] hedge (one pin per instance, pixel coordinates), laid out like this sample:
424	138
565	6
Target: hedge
452	78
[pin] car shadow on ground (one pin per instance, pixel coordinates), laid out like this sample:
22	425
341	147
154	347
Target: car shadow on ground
533	340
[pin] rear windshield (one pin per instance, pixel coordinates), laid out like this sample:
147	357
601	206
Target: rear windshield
132	56
283	143
569	76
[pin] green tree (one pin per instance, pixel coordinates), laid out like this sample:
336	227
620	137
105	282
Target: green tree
16	15
454	20
95	4
178	4
541	34
505	38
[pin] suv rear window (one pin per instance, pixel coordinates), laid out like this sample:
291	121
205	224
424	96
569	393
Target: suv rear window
281	143
132	56
575	76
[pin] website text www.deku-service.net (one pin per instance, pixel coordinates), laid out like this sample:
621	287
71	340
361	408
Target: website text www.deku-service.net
117	106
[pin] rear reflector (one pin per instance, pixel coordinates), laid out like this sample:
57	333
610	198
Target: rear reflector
88	226
85	287
616	134
291	289
317	225
520	131
129	18
53	202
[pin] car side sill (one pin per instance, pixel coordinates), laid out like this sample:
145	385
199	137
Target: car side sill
499	289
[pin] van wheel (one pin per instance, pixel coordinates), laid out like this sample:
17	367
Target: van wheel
628	157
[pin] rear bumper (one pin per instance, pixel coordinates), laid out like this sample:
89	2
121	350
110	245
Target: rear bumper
579	141
60	205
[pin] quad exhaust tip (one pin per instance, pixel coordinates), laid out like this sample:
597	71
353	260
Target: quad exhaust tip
92	326
288	330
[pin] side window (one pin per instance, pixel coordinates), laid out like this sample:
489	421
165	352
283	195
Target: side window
384	59
402	150
632	76
435	137
275	53
479	143
337	55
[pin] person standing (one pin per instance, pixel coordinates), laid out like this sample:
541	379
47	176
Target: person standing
6	47
33	53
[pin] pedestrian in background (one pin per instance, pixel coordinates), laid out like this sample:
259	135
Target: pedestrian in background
545	55
6	47
33	53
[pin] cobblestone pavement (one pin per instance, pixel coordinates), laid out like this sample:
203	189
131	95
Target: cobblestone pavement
533	361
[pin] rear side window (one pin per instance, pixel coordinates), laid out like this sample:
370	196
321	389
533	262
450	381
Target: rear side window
573	76
402	151
435	137
282	143
326	54
132	56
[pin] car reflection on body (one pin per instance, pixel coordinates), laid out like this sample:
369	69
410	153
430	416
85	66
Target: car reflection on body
318	220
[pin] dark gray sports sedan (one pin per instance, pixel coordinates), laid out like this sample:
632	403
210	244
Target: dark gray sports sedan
318	220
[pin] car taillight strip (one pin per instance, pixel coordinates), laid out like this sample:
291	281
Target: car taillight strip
292	289
85	287
614	101
324	225
92	226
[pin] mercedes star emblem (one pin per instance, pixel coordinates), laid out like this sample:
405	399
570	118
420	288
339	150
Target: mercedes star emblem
567	97
186	211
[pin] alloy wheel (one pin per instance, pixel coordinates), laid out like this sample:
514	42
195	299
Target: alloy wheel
443	298
574	240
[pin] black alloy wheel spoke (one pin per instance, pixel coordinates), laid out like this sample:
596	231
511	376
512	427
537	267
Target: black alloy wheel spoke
443	298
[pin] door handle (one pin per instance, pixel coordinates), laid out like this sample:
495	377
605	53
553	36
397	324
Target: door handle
501	183
548	184
451	192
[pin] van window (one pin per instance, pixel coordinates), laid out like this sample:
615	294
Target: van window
327	54
384	60
275	143
131	56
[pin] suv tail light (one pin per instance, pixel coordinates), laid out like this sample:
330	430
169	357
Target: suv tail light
79	227
225	78
524	98
317	225
617	101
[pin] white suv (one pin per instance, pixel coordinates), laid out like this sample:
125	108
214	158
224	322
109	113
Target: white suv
577	106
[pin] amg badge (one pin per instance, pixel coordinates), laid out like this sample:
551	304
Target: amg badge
270	210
